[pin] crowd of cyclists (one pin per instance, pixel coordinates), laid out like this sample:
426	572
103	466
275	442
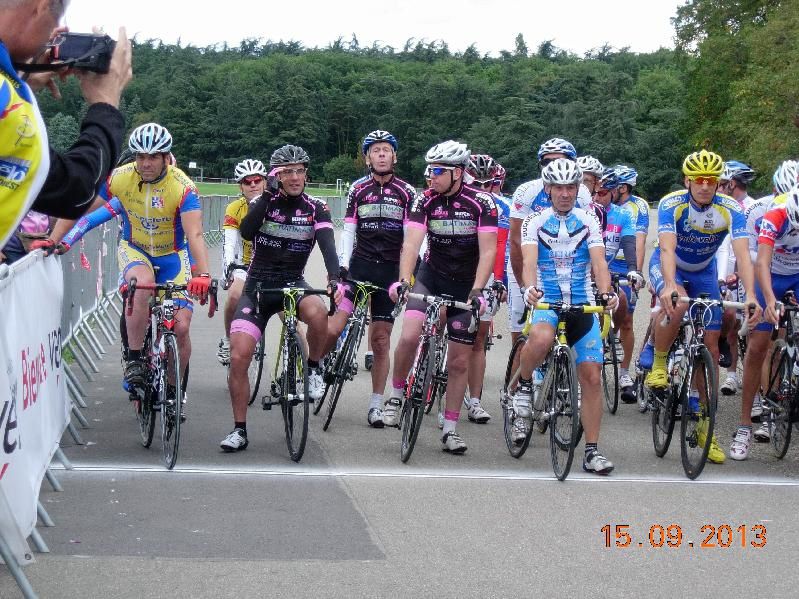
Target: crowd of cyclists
566	237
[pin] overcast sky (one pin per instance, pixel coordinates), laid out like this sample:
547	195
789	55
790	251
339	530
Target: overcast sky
576	25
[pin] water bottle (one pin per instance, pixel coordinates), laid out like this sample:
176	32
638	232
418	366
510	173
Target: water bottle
693	403
677	364
538	379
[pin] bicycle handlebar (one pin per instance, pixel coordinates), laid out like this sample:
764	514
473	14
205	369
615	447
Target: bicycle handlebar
129	292
300	291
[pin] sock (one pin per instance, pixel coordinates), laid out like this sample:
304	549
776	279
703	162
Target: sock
660	360
589	447
450	420
134	354
313	363
473	401
377	401
397	388
623	371
242	426
370	353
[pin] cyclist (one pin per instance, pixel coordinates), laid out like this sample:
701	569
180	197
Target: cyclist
734	182
283	226
592	172
561	247
161	226
483	169
461	226
531	197
616	225
250	174
377	207
777	269
692	223
639	210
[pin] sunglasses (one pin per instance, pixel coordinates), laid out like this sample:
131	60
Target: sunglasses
704	180
439	170
294	171
251	180
544	161
602	192
484	184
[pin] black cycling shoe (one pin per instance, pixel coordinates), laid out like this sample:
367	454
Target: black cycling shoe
368	360
135	374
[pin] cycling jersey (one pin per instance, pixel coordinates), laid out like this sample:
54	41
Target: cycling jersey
699	230
151	211
452	224
639	213
618	224
284	230
503	247
564	261
531	197
378	212
754	214
776	230
242	252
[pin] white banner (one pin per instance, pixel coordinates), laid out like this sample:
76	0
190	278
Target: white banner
34	408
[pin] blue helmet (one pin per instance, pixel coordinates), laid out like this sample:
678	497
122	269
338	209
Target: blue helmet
738	171
610	179
376	136
556	145
626	175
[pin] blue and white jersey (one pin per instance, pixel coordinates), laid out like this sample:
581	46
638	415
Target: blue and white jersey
639	212
531	197
619	224
503	210
564	261
699	230
754	213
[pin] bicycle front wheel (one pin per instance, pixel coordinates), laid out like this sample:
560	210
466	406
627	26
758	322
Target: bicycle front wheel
564	412
343	368
170	403
696	427
663	405
145	416
778	399
256	369
440	377
417	391
294	402
610	373
515	448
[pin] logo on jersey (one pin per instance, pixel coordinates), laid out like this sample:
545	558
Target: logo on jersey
156	202
276	216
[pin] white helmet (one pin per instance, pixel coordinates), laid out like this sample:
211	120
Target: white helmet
150	138
448	152
590	165
792	206
248	167
562	172
786	175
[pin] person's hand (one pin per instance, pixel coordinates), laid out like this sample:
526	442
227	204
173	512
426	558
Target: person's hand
476	295
611	300
636	280
771	314
336	290
531	296
665	300
46	79
394	290
108	87
753	313
62	248
198	287
46	245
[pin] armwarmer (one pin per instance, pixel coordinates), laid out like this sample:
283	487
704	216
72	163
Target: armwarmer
499	262
347	244
628	247
327	245
86	223
232	248
255	218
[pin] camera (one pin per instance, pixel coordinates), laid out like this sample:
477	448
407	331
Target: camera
85	51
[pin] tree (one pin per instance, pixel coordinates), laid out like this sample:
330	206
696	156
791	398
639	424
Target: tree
341	167
62	131
521	50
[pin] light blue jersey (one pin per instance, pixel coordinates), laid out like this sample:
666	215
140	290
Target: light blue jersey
619	224
639	213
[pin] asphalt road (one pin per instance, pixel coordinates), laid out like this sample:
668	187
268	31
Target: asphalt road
351	520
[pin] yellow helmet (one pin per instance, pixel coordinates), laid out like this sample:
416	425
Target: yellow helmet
703	164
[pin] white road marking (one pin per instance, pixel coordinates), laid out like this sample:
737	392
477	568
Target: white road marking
477	475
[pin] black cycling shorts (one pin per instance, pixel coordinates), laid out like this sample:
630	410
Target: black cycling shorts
429	282
245	319
382	274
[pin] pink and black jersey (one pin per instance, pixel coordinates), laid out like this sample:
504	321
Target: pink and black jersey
285	234
378	213
452	224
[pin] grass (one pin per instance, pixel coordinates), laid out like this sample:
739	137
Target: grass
231	189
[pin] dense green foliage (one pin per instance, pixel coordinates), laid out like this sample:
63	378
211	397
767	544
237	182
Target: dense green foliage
730	86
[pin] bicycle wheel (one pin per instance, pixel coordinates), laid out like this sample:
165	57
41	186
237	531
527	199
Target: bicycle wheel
506	401
145	416
696	430
294	401
170	404
440	376
255	370
778	399
610	373
663	405
342	370
417	389
564	414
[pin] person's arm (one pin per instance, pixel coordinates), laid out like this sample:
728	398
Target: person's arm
256	213
765	252
487	240
411	244
95	218
327	245
232	248
499	261
628	246
516	259
350	227
642	231
192	221
740	248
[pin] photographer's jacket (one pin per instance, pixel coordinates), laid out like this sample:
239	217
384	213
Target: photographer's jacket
33	175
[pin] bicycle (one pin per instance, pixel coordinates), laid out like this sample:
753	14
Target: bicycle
341	363
610	351
689	362
418	394
162	358
255	370
556	400
781	399
289	387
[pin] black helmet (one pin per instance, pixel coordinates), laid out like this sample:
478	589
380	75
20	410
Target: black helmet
289	154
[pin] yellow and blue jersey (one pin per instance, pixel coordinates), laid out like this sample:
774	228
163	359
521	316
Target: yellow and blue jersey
700	230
